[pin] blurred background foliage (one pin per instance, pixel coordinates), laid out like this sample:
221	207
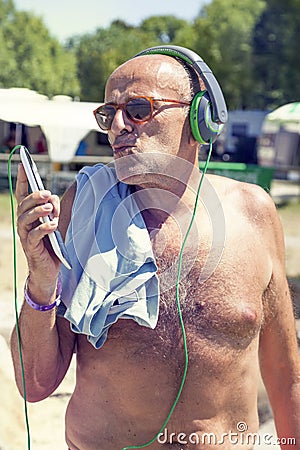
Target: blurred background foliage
252	46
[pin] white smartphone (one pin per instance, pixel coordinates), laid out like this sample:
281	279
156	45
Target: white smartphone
36	184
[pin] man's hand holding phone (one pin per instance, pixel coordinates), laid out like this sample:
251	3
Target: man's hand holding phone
37	219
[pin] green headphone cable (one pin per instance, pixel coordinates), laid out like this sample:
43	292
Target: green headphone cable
180	258
179	309
12	203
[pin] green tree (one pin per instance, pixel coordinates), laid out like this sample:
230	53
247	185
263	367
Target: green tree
7	62
31	58
165	29
223	37
98	54
6	10
277	55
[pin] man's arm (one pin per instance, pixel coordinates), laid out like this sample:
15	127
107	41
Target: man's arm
279	357
47	341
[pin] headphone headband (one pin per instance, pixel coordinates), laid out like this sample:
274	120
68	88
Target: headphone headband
172	50
219	109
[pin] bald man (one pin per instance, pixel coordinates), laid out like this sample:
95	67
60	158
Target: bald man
236	310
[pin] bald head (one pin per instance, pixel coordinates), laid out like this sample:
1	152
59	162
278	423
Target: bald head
166	73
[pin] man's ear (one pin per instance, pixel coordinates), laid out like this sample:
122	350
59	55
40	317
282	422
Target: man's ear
191	140
187	130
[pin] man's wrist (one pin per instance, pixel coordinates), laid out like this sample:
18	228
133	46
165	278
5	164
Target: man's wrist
40	296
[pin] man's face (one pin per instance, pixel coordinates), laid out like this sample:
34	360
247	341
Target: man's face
141	149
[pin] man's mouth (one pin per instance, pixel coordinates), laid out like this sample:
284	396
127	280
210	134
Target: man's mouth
123	148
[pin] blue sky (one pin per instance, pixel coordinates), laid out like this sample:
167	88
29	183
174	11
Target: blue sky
65	18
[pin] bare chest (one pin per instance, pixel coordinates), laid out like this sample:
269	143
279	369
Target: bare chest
217	282
217	286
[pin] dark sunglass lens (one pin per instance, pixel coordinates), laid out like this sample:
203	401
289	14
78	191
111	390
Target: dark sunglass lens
105	116
139	109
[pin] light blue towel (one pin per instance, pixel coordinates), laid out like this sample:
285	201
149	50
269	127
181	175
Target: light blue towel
113	274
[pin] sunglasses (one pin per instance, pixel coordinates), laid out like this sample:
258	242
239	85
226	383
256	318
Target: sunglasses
137	109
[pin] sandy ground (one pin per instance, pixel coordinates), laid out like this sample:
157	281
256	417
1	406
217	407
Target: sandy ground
46	418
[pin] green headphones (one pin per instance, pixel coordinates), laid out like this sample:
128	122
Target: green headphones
208	111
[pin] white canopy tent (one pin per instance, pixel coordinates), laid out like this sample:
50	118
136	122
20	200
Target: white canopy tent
64	122
289	113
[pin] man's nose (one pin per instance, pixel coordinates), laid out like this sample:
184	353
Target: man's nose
120	123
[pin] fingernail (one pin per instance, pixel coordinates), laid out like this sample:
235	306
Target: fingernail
47	206
45	194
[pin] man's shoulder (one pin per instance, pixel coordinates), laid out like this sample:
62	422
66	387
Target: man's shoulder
249	198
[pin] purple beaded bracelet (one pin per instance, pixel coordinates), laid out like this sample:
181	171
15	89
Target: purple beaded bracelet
38	307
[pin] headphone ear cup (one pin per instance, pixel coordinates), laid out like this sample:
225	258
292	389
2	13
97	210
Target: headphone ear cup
203	127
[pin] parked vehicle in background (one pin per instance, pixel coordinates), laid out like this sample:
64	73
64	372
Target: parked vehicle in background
279	144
